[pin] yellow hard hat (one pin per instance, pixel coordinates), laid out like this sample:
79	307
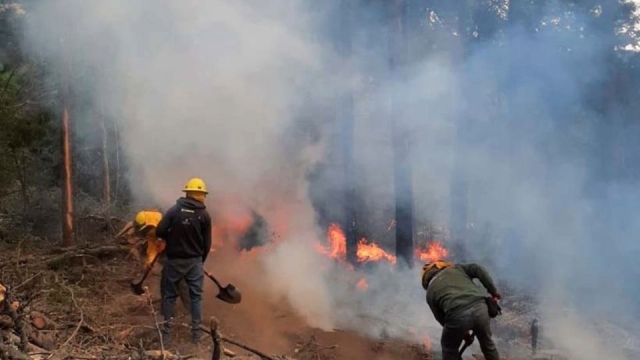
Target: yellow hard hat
195	185
147	218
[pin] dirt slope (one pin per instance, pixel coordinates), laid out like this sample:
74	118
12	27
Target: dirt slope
275	329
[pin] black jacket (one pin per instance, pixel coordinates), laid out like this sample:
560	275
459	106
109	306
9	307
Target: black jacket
186	228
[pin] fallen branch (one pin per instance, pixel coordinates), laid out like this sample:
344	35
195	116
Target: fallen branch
9	352
228	352
236	343
41	340
75	332
215	337
11	307
155	319
15	320
60	256
41	322
248	348
312	346
30	347
26	281
101	251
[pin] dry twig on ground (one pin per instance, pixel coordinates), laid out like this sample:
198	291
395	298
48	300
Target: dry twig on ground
215	337
237	343
155	319
75	332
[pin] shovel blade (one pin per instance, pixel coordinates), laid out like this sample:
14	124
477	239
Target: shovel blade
230	294
137	289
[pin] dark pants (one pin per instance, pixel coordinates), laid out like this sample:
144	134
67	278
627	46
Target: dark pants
458	324
183	289
192	272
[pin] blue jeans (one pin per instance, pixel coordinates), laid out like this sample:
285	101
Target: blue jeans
183	290
192	272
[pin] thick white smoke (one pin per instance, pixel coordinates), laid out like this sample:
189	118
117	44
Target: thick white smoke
213	89
237	92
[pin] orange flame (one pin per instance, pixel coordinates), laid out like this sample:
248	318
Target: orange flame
372	252
337	247
362	284
337	243
434	251
366	251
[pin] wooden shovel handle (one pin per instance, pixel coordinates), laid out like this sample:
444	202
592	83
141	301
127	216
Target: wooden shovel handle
149	268
210	276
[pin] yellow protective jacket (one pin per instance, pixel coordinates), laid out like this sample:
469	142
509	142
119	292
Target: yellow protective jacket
144	227
147	229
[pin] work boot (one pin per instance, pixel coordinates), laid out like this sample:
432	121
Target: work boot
166	340
195	337
166	333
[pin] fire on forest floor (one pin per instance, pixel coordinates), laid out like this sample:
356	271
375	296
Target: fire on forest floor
86	295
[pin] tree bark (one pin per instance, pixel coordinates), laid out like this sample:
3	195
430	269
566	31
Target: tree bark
68	229
68	232
402	147
106	173
106	180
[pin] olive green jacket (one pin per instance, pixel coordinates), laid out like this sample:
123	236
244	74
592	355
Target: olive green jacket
452	288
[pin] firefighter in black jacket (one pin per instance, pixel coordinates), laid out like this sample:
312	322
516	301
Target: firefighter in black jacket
186	228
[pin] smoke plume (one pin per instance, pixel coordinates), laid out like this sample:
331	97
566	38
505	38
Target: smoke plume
242	94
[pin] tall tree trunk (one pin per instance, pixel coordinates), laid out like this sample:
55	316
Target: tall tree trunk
117	149
402	147
68	231
346	121
106	181
459	192
19	160
459	216
106	173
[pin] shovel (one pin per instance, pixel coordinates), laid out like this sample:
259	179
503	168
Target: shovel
228	294
136	287
467	344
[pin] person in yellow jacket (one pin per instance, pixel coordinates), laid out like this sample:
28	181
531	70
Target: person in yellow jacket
144	227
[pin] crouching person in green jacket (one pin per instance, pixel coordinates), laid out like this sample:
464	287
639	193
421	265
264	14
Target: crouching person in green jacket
460	306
